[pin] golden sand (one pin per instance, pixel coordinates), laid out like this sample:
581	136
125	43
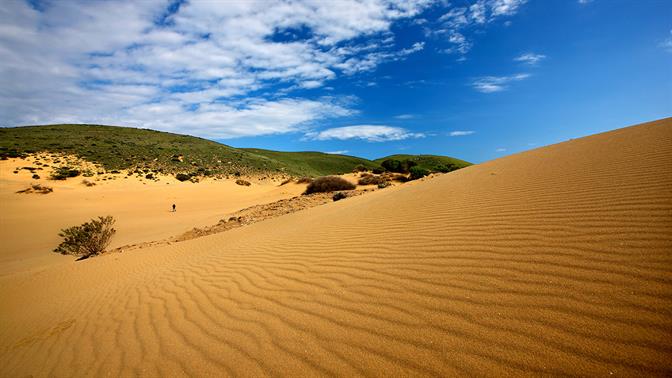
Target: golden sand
550	262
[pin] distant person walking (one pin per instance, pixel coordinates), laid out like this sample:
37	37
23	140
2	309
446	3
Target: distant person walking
173	208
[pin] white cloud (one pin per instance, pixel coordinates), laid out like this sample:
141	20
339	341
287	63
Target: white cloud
500	150
585	1
530	58
455	24
404	116
113	62
371	133
461	133
340	152
667	43
490	84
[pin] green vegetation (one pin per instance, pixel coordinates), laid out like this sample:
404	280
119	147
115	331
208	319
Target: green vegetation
417	172
88	239
63	173
315	163
329	184
432	163
146	152
143	150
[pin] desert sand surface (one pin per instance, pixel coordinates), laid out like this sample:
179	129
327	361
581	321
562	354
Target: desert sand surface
30	223
556	261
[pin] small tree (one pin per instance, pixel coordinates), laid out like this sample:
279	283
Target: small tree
417	173
88	239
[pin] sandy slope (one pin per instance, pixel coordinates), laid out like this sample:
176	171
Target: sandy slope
554	261
29	223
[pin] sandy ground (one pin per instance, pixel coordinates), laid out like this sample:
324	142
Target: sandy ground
29	223
555	261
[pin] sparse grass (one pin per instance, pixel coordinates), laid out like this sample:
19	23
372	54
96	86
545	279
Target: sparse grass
329	184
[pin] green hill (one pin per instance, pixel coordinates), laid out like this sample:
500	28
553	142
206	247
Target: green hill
314	163
429	162
128	148
117	148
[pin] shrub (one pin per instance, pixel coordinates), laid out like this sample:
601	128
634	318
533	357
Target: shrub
371	180
359	168
182	176
384	184
392	165
243	182
304	180
88	183
445	168
36	176
329	184
339	196
417	173
149	176
37	188
63	173
88	239
287	181
377	170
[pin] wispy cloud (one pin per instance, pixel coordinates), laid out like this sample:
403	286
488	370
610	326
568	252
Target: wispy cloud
530	58
491	84
339	152
405	116
196	68
456	24
666	44
461	133
370	133
584	1
500	150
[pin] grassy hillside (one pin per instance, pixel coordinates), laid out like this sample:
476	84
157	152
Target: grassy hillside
126	148
429	162
314	163
117	148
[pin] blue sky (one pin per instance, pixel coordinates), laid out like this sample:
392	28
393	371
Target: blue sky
472	79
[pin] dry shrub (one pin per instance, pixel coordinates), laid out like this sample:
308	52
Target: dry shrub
243	182
88	239
37	188
287	181
304	180
329	184
371	180
88	183
359	168
339	196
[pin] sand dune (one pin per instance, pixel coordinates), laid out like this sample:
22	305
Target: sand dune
551	262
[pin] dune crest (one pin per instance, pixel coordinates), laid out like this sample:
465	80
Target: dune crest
553	261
